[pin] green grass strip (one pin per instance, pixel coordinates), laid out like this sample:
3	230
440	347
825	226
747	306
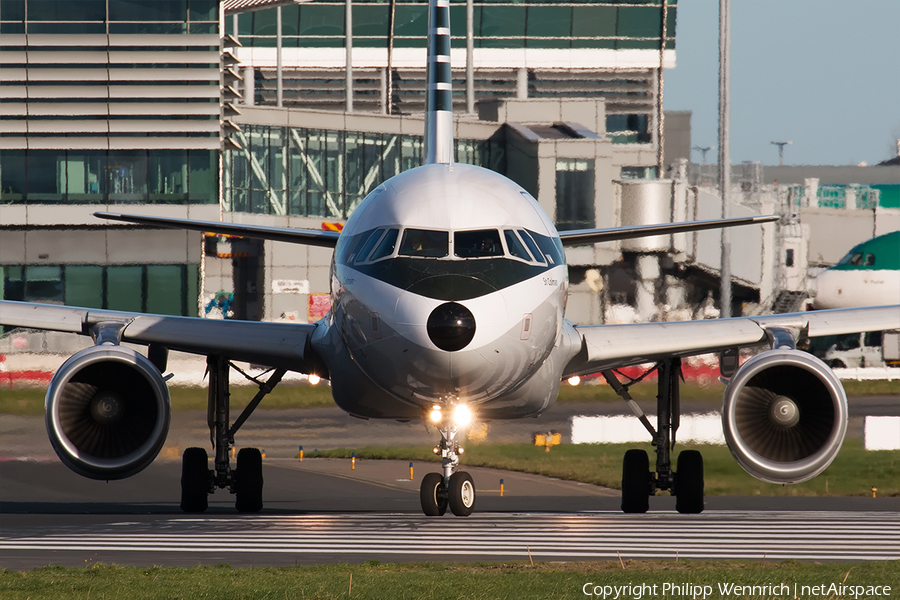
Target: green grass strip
853	473
447	581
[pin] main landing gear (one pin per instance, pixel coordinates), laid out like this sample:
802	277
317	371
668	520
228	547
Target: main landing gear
452	488
245	481
638	482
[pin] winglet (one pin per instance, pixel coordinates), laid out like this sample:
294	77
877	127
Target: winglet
439	90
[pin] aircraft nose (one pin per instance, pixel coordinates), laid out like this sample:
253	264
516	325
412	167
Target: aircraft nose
451	326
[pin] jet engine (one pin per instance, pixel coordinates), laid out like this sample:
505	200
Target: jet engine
784	416
107	412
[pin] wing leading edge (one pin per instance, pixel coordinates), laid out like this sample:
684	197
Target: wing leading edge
283	345
310	237
578	237
611	346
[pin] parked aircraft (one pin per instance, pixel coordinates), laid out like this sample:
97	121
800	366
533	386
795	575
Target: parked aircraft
868	275
448	289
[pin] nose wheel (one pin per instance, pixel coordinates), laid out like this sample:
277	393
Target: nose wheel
453	489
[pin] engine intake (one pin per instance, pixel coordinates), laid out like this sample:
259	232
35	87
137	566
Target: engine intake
107	412
784	416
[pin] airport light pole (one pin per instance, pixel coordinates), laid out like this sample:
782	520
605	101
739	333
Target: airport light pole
781	146
724	159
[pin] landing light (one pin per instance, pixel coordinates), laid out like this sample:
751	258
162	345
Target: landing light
436	415
462	415
574	380
314	379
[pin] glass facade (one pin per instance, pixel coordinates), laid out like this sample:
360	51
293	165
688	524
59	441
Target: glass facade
124	16
627	25
320	173
108	176
159	289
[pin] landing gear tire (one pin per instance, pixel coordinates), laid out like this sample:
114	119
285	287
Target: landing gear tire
689	483
433	495
248	482
194	480
461	490
636	482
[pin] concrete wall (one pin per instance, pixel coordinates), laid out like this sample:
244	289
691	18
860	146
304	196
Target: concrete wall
833	231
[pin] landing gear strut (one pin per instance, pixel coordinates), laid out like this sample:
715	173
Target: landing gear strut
638	483
246	481
453	488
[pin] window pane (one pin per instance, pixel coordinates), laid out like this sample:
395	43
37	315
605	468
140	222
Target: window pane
202	184
639	21
46	176
66	10
124	288
165	289
594	22
264	22
373	239
127	176
386	247
412	20
574	194
141	10
86	175
515	245
204	10
549	21
84	286
13	177
192	277
43	284
167	174
502	21
371	20
477	244
13	282
12	10
424	243
535	251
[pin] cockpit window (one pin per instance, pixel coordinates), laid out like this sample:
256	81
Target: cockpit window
367	247
482	243
358	242
869	261
424	243
515	245
386	247
535	251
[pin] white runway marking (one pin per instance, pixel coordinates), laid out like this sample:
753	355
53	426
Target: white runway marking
712	535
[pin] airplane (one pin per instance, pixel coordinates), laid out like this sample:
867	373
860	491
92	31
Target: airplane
869	274
448	295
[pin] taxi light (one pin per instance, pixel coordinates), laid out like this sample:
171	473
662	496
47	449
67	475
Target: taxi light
435	415
462	415
574	380
314	379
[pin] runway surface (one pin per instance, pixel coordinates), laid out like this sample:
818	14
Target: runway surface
397	537
323	511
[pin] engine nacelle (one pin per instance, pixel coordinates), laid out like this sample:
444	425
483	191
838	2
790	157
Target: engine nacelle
107	412
784	416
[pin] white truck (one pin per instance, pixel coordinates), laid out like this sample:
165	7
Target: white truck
870	349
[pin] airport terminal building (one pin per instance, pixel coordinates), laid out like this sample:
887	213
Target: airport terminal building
287	112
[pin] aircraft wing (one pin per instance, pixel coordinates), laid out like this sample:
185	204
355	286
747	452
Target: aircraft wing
284	345
612	346
310	237
578	237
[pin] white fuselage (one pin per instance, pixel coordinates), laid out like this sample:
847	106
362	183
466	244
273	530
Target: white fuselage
451	240
848	288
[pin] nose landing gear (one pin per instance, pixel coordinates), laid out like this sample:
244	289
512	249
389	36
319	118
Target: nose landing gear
453	488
